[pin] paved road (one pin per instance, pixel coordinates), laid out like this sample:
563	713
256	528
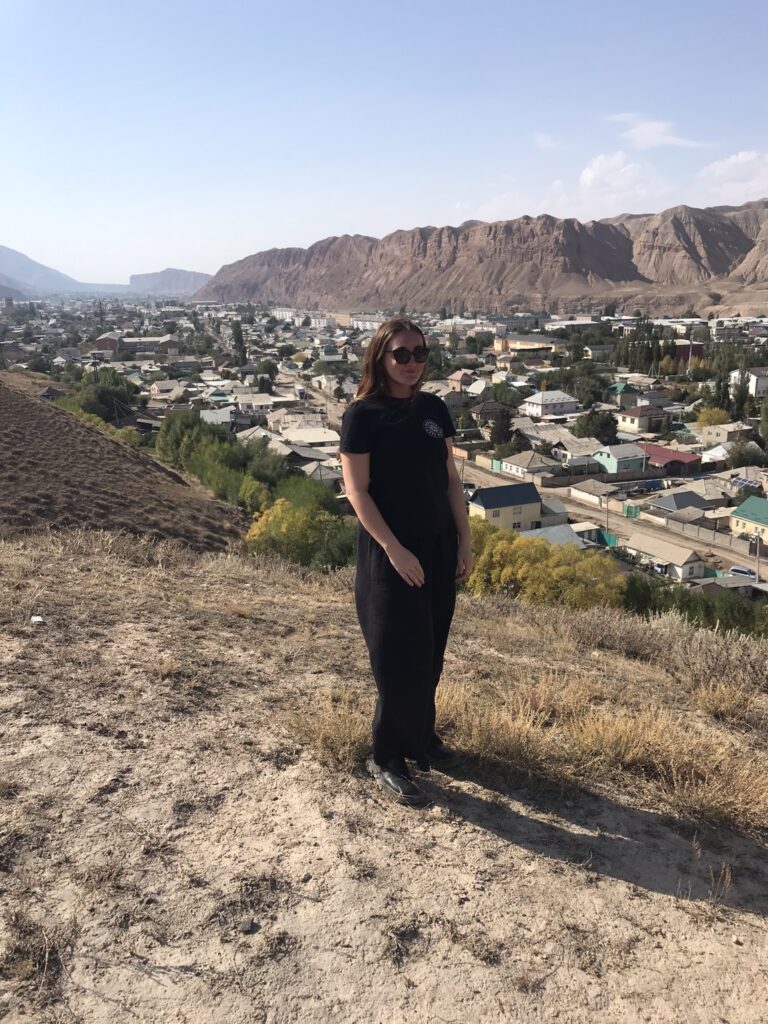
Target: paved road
720	556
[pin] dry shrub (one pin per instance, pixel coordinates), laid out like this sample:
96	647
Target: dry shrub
34	954
698	656
338	729
513	734
726	701
611	629
562	731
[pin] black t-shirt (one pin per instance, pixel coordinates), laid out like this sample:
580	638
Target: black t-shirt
409	458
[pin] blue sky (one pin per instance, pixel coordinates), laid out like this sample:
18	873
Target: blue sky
144	135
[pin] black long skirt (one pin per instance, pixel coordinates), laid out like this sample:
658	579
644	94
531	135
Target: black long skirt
406	630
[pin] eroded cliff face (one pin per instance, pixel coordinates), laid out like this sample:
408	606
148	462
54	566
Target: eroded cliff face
530	260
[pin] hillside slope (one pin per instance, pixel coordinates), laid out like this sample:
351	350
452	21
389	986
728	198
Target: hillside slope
665	258
57	472
168	282
178	844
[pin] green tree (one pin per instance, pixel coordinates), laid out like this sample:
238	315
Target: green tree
744	453
305	493
254	495
517	443
238	343
308	536
602	425
266	367
306	322
764	420
542	573
501	429
740	395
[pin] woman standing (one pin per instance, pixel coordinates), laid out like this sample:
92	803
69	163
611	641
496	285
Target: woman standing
412	545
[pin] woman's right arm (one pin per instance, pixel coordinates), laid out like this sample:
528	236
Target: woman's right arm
356	471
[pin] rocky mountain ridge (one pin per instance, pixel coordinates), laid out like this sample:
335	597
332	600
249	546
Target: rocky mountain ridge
713	257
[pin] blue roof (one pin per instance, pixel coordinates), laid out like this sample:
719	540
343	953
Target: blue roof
507	494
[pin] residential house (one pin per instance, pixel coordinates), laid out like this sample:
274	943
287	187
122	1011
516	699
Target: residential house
488	411
621	458
563	534
644	419
549	403
598	352
516	507
325	473
311	437
592	492
671	460
478	389
588	531
724	433
623	394
667	502
756	379
162	389
576	453
751	518
452	398
529	464
229	417
460	379
674	560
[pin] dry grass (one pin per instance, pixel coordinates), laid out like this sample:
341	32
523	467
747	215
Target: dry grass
35	953
337	729
159	735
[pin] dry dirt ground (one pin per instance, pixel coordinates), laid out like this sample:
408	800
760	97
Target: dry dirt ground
60	472
173	849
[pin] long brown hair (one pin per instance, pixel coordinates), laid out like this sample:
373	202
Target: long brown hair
373	381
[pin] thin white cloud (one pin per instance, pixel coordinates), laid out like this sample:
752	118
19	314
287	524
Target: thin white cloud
736	179
545	141
609	184
505	206
646	133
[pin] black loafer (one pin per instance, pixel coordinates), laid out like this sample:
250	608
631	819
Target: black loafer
444	758
396	787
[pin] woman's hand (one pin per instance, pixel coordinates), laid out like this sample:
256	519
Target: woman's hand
407	565
464	559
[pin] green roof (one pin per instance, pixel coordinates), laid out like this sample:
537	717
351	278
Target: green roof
621	386
753	509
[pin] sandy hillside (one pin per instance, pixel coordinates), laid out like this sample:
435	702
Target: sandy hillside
186	834
58	472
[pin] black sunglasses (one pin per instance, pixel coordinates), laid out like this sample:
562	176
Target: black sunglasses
403	355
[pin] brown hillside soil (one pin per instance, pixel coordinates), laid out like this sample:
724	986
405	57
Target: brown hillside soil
59	472
174	849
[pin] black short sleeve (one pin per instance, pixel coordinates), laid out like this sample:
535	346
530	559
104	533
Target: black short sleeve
356	426
443	416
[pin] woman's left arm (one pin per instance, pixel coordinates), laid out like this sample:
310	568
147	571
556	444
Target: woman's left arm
459	510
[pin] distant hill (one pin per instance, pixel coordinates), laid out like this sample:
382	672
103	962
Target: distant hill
168	282
84	478
10	288
712	258
31	277
22	277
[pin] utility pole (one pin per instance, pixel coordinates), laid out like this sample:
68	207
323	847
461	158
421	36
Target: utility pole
757	537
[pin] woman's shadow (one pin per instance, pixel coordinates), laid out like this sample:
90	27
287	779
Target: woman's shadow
648	850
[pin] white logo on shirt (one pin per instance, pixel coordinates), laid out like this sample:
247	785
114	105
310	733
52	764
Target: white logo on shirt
432	428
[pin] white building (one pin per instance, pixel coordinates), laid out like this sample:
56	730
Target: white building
366	322
549	403
756	379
